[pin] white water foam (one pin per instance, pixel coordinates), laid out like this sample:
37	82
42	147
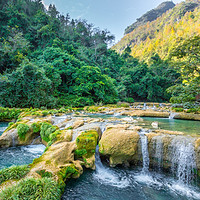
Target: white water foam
184	190
107	176
34	149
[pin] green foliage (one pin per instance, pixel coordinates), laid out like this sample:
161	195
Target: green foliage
22	130
68	172
45	113
46	130
43	173
178	109
49	60
15	173
30	188
184	93
36	127
25	87
7	114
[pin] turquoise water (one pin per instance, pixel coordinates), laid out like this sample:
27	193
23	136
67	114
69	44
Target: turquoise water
186	126
3	126
20	155
128	184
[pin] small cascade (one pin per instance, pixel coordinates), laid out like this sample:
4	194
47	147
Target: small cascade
145	153
144	106
158	153
33	142
13	139
183	158
103	127
108	176
59	119
172	115
117	114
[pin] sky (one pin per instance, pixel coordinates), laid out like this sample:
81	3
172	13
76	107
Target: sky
113	15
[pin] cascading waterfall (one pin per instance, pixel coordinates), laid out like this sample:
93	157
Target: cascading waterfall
172	115
158	147
145	153
183	158
106	175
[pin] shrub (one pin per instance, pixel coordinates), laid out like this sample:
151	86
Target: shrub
15	172
22	130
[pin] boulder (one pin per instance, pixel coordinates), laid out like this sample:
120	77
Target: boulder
119	144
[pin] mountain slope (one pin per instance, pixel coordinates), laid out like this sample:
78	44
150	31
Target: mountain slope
150	15
162	34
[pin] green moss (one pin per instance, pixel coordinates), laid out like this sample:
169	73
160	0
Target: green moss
86	143
32	189
36	127
11	126
8	114
22	130
80	152
45	113
46	130
68	172
43	173
15	172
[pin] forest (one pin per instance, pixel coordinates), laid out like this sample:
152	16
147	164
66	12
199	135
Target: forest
48	59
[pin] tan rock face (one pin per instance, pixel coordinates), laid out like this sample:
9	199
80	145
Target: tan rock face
188	116
119	144
10	137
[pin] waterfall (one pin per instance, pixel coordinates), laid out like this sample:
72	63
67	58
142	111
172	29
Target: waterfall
33	142
183	158
158	146
145	153
103	127
13	139
172	115
108	176
144	106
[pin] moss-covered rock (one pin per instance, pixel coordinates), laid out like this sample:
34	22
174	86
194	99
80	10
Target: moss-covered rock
86	145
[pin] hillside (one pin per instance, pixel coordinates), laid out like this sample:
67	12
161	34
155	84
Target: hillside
150	15
49	60
161	35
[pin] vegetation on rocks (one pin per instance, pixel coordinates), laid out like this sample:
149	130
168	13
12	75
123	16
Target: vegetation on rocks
22	130
86	144
30	188
46	130
15	173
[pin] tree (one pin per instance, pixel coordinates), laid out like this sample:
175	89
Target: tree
25	87
187	57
